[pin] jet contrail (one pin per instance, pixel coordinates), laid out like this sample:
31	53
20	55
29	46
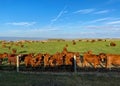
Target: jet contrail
59	15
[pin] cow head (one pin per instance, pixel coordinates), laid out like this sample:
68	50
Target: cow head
102	57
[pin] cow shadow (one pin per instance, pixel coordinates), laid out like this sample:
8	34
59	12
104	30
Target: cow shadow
22	52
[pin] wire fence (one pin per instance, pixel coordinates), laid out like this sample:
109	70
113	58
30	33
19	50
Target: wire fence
62	68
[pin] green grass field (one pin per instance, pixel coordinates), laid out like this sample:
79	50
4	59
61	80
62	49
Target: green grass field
57	46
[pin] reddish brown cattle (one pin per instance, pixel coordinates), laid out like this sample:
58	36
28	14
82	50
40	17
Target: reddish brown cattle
30	60
89	52
100	39
102	57
14	51
12	59
111	59
60	59
56	59
112	44
92	41
64	52
92	59
2	56
69	57
87	40
80	40
52	61
78	60
46	59
22	57
39	59
74	43
65	49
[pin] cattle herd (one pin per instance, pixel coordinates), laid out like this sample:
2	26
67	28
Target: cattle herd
67	58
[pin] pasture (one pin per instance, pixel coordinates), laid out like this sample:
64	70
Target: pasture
57	46
53	46
41	78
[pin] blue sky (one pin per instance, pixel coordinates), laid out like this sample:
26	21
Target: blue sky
60	18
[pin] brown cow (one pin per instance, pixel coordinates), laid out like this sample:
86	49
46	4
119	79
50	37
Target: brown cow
102	57
60	59
56	59
92	59
112	44
2	56
52	61
46	59
111	59
22	57
92	41
69	57
12	59
14	51
73	42
39	59
30	60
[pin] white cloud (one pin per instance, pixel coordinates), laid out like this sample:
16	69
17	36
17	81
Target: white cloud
43	30
102	29
40	32
84	11
114	22
75	31
100	20
102	12
21	23
92	11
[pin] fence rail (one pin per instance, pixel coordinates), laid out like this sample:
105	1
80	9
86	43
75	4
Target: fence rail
63	68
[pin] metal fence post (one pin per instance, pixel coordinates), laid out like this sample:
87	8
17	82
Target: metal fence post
17	64
75	70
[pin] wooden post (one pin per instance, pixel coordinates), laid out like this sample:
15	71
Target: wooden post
17	63
75	64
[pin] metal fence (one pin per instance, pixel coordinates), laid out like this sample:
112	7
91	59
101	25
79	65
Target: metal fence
63	68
